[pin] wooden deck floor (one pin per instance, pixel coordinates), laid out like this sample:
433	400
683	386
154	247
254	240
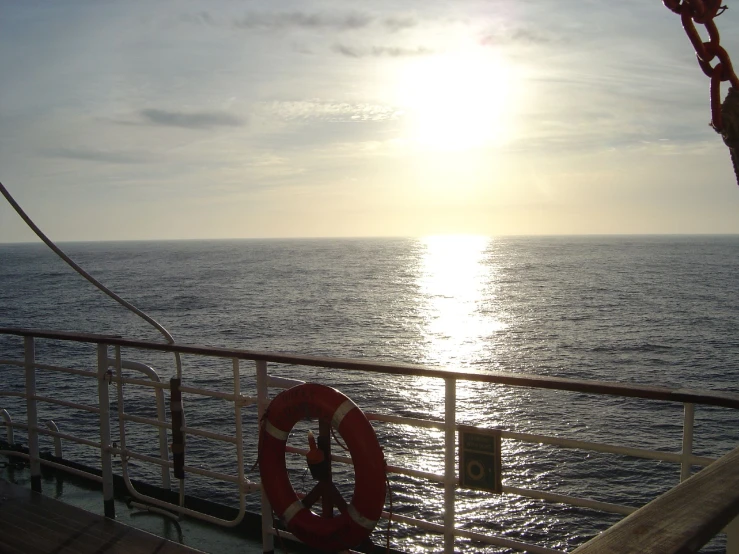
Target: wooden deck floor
31	523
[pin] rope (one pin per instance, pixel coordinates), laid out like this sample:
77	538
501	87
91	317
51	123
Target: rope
337	441
730	130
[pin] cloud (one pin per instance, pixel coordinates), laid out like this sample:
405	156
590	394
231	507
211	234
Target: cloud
303	20
201	18
90	155
317	21
395	24
335	112
520	35
190	120
380	51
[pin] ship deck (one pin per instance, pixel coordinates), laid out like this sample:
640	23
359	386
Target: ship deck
33	523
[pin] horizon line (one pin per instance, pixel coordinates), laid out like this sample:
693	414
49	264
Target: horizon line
375	237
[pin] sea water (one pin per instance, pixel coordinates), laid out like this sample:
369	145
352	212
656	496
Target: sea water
660	310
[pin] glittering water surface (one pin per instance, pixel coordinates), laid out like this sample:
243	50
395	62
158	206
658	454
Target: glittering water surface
656	310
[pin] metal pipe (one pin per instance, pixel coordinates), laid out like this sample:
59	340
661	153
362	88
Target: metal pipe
239	434
161	410
75	405
106	459
181	509
268	542
60	467
488	539
78	440
687	452
608	388
8	426
450	475
57	439
32	411
283	382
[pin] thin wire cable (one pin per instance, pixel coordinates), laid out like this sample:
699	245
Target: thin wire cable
58	251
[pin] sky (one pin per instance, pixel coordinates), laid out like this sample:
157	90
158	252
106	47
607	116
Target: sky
138	120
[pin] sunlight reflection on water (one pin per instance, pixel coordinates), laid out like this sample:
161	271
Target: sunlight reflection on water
453	280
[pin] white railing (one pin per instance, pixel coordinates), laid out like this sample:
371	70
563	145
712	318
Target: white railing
109	370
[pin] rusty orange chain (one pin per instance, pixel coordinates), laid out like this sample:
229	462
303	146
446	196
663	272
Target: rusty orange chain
724	118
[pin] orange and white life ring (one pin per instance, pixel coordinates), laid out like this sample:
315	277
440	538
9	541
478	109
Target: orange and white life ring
311	400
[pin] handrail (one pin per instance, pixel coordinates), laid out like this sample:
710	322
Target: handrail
263	380
711	398
679	521
161	412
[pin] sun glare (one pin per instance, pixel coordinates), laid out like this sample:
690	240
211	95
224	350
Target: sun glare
453	280
458	101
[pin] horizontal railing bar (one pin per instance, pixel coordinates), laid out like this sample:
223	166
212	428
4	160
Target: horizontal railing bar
508	543
712	398
282	382
212	393
61	369
68	437
147	421
50	433
55	465
142	457
545	439
400	420
420	523
529	493
216	475
186	430
571	500
595	446
208	434
141	382
390	468
488	539
188	469
681	520
415	473
11	393
9	361
72	470
186	511
92	374
83	407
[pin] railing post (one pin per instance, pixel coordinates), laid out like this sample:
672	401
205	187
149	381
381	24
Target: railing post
106	459
57	440
163	445
31	408
687	452
8	426
450	475
239	431
268	542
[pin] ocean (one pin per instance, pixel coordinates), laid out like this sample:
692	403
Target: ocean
660	310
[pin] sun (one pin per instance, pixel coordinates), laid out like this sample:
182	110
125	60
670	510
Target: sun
459	100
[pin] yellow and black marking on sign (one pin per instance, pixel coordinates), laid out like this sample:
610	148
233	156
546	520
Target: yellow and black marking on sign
479	459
